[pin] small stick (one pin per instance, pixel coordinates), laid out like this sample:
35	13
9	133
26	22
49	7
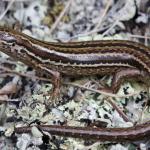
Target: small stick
8	7
71	84
60	16
121	113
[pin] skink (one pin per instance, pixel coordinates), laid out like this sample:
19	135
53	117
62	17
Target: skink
123	59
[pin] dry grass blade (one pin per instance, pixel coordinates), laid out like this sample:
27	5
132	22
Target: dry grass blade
60	16
8	7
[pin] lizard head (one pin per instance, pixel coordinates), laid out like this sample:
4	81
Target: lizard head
6	36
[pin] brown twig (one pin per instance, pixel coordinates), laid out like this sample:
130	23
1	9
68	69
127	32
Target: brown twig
109	29
60	16
8	7
139	36
69	83
101	17
98	26
121	113
23	74
85	34
101	91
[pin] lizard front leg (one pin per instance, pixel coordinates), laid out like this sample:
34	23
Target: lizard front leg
56	78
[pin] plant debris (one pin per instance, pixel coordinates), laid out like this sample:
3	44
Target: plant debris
23	95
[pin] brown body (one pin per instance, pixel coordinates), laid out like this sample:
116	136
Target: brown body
139	132
76	58
124	59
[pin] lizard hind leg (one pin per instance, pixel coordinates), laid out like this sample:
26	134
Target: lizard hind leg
128	74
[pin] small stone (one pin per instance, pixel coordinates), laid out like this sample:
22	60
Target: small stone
9	131
63	35
23	141
36	133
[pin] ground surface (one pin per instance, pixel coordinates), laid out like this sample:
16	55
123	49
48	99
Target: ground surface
23	98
